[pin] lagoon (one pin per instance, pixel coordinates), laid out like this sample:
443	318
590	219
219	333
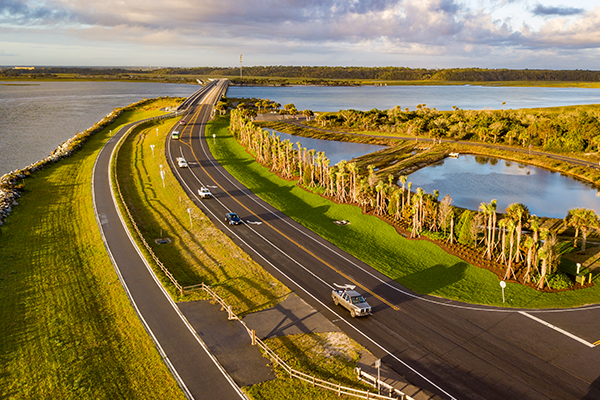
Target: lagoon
334	151
471	180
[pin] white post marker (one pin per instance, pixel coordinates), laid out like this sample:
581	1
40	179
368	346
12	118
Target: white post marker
162	175
189	210
502	285
214	137
152	147
156	132
378	366
578	268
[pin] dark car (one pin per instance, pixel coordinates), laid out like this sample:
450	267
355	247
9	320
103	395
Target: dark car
232	219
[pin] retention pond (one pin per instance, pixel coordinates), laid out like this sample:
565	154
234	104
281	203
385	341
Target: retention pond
471	180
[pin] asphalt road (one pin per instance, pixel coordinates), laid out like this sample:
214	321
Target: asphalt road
452	349
196	370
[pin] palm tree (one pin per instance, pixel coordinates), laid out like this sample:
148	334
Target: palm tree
403	179
591	222
489	210
510	225
530	246
549	256
584	220
502	225
518	212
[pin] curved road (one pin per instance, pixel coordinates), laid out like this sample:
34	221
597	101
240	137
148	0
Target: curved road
196	370
452	349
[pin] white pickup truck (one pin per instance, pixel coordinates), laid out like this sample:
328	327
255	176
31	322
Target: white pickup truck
350	299
204	193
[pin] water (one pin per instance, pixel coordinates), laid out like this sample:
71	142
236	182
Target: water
35	117
335	151
472	180
324	98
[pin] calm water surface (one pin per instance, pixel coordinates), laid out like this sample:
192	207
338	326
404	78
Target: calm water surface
319	98
471	180
335	151
36	117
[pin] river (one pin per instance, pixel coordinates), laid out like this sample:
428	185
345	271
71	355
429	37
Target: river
35	117
325	98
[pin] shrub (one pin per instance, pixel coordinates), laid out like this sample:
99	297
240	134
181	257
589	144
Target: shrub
559	280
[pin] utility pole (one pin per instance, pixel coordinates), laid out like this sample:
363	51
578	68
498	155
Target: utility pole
241	81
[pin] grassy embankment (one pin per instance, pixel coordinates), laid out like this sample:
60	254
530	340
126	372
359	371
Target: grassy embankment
202	253
67	328
419	265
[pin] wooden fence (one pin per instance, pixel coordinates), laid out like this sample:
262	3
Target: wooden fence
335	387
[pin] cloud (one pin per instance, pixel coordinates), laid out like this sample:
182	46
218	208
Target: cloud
19	12
364	30
544	11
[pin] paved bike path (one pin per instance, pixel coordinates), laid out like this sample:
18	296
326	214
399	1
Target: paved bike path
198	372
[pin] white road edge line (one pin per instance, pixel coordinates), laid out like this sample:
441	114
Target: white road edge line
161	351
185	321
311	295
557	329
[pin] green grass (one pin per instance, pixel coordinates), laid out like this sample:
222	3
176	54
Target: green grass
418	265
67	328
198	252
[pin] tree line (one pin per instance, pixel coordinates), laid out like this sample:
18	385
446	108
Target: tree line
575	131
322	74
396	73
530	257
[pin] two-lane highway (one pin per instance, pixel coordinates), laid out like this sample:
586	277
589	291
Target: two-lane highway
452	349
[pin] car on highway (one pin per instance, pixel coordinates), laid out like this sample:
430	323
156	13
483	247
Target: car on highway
350	299
182	122
232	219
204	193
175	135
181	163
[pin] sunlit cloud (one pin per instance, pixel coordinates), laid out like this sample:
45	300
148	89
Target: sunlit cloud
483	31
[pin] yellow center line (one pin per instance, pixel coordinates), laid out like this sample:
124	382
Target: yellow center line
291	240
596	343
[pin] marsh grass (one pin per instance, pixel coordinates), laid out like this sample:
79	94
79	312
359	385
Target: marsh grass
67	328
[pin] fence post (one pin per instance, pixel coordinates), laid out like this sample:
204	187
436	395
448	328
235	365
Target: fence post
230	313
339	389
253	337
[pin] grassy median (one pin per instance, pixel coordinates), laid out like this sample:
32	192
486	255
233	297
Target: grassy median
197	251
67	328
419	265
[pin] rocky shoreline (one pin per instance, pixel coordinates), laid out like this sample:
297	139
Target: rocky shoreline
11	183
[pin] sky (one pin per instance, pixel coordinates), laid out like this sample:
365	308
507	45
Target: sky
516	34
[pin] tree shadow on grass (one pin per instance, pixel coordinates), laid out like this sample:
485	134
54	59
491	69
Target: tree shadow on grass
434	278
